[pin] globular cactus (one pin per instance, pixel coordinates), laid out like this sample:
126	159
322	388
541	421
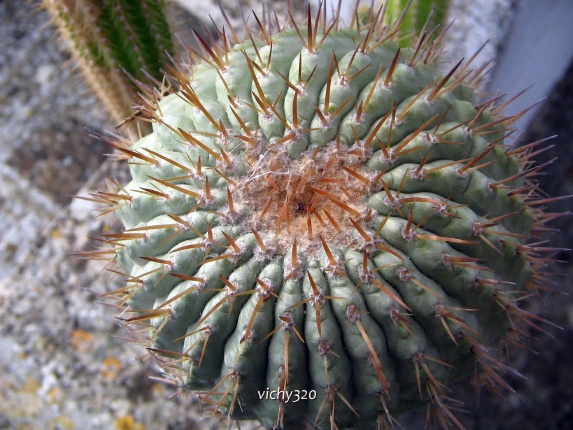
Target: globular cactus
322	228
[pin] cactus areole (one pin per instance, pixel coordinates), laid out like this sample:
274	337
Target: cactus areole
323	228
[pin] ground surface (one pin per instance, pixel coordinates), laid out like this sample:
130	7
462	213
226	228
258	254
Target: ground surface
63	362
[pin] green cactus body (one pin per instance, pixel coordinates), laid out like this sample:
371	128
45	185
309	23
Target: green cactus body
112	40
319	212
415	16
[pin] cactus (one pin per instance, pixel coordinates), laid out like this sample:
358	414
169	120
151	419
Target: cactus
415	16
112	42
322	228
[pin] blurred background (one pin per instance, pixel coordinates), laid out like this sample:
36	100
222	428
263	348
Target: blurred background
64	363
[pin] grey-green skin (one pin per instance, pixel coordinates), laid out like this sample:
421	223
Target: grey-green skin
201	322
